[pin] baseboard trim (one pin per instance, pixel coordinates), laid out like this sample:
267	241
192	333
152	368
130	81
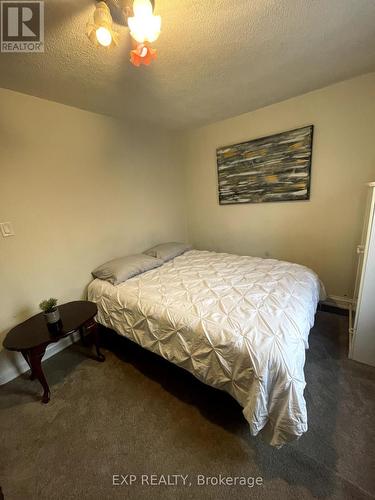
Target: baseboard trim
334	310
12	364
338	302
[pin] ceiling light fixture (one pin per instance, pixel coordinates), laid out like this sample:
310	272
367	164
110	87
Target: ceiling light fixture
100	32
144	26
142	54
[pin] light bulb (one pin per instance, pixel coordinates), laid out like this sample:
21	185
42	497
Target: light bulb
152	26
143	52
145	29
104	37
142	8
100	31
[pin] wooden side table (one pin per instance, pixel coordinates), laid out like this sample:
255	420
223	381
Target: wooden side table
32	337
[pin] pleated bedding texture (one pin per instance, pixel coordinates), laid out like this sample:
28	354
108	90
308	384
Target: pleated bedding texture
237	323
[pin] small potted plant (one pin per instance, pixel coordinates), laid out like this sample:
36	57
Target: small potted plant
51	312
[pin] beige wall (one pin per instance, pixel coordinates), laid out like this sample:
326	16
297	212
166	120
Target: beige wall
80	189
321	233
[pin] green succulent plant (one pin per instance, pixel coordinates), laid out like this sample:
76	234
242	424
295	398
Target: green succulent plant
49	305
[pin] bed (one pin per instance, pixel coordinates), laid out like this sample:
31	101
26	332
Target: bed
237	323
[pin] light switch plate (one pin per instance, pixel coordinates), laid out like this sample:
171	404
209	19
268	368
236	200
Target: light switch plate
6	229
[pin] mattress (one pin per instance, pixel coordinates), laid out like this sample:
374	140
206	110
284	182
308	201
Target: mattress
237	323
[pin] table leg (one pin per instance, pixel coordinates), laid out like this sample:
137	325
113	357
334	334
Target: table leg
26	356
82	336
95	332
35	356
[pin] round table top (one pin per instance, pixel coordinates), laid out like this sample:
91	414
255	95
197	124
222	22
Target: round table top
35	331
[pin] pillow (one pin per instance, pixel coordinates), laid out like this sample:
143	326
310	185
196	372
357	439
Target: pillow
119	270
168	251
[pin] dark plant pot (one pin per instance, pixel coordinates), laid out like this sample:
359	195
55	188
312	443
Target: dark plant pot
55	328
53	316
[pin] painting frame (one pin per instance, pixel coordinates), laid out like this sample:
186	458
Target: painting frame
268	196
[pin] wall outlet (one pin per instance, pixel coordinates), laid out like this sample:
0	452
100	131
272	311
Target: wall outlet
6	229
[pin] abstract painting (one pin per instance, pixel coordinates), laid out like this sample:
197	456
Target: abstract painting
274	168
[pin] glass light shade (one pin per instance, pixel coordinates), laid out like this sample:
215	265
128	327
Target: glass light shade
142	55
142	8
145	29
104	37
100	31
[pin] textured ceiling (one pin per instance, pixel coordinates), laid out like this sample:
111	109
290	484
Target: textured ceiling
217	58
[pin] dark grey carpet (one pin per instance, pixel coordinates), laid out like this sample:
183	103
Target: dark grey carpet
138	414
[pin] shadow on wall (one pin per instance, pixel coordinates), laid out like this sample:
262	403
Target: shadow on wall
57	368
11	358
21	391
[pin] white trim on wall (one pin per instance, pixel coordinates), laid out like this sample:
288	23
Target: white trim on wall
12	364
341	302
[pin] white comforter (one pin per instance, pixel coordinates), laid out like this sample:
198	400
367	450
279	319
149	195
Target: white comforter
240	324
